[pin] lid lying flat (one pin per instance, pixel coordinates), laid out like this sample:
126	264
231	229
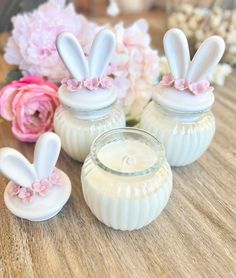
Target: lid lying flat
182	101
41	208
83	99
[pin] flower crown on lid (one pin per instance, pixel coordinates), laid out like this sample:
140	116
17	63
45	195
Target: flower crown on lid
89	88
186	87
36	191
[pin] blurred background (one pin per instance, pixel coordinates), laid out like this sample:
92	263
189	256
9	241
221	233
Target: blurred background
197	18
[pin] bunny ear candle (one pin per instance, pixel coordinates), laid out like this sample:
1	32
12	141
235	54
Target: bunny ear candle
180	114
88	99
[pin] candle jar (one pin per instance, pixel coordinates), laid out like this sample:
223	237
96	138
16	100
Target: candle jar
88	98
126	178
78	128
185	135
180	114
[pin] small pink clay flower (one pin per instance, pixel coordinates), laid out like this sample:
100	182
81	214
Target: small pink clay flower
73	84
26	194
41	187
55	178
181	84
167	80
91	83
200	87
106	82
14	190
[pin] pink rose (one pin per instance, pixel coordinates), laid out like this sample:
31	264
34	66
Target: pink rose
91	84
55	178
30	104
106	82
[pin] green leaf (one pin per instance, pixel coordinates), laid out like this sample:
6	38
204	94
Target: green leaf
13	75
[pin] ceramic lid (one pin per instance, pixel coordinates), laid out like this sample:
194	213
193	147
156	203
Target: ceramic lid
83	99
182	101
84	69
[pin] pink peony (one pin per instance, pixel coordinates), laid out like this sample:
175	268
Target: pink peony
30	104
32	44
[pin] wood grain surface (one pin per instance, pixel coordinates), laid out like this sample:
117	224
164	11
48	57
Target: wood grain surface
193	237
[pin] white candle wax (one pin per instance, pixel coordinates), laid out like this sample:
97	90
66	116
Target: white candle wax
127	155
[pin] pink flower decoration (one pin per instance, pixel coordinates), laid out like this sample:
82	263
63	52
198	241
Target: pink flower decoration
26	194
91	84
30	104
73	84
106	82
167	80
14	190
181	84
41	187
55	178
200	87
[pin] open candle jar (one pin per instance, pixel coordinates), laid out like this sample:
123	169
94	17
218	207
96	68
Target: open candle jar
126	178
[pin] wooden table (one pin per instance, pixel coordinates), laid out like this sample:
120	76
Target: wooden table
194	236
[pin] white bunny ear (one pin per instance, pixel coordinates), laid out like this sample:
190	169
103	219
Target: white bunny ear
16	167
101	52
46	154
177	52
72	55
206	58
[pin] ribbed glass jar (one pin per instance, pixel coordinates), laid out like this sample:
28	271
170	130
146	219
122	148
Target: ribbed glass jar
184	135
77	130
126	179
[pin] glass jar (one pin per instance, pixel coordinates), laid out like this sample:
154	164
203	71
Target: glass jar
185	135
78	129
126	178
83	115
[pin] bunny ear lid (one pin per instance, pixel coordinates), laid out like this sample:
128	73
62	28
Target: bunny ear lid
177	52
101	52
82	99
206	58
16	167
72	55
46	154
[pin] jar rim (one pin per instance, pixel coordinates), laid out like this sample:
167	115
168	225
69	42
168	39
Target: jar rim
128	131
